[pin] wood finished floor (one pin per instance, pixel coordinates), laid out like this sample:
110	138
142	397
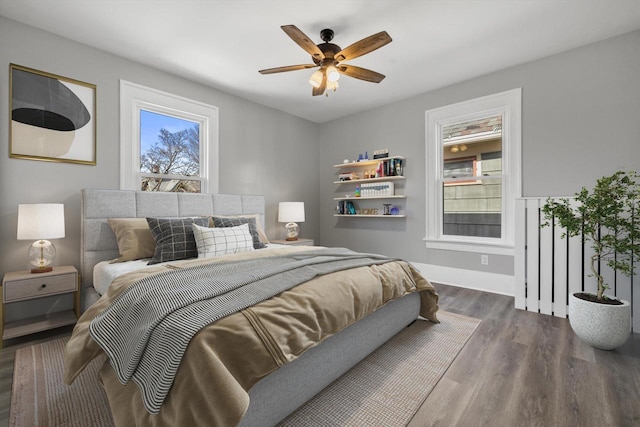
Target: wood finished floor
518	369
525	369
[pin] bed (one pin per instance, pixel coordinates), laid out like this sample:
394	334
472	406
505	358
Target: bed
270	394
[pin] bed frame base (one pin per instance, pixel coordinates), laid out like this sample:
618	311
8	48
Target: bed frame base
282	392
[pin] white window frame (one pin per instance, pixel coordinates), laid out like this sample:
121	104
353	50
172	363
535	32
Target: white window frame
509	105
135	97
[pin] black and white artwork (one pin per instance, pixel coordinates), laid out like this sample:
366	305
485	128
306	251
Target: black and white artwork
52	117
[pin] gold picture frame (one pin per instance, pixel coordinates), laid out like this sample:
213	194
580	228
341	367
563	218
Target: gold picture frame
52	118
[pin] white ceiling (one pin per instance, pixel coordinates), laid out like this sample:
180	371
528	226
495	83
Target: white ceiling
223	43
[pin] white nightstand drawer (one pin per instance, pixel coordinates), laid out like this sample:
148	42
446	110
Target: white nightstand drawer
39	286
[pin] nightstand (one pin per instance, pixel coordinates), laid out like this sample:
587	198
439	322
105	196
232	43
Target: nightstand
23	285
299	242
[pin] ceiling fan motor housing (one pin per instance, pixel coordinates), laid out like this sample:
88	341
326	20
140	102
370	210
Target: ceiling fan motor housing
329	50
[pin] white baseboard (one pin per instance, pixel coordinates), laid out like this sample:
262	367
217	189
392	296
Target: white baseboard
479	280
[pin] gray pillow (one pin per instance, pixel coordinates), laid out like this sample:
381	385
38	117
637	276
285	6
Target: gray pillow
174	238
225	221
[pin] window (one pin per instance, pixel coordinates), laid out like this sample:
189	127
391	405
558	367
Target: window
473	179
169	154
168	143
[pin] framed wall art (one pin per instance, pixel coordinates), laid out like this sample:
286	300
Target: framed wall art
52	118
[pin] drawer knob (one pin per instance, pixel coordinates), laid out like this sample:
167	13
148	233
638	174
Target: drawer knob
44	285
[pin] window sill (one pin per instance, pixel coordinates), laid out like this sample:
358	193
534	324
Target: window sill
466	246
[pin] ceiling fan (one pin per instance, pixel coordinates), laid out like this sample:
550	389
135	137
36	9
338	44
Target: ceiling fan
329	57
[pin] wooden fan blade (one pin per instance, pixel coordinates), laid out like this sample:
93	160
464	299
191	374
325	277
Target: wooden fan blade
320	89
287	68
303	41
363	46
360	73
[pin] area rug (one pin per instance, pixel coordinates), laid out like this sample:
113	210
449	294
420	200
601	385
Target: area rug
385	389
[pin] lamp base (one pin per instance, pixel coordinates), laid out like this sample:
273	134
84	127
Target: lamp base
292	231
41	255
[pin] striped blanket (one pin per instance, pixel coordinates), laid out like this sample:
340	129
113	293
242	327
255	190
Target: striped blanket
146	330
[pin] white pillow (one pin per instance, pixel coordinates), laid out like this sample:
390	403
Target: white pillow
222	240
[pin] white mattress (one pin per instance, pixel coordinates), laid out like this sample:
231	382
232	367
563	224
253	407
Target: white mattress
104	272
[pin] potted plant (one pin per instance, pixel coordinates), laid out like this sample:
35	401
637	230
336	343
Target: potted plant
608	216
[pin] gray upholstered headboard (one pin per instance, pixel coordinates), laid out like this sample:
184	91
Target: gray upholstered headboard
98	242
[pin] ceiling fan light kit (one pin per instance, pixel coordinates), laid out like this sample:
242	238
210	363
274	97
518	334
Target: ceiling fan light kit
316	78
332	74
329	58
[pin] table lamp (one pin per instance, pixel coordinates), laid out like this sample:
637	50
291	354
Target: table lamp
291	212
39	222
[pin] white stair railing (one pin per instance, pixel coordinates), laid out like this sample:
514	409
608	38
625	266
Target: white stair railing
549	268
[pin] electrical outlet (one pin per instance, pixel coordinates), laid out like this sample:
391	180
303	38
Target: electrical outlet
484	259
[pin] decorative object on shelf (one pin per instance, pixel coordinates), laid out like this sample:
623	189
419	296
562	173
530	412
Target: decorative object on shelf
395	211
388	167
379	173
357	192
291	213
396	167
379	154
349	176
378	189
608	216
40	222
52	117
387	208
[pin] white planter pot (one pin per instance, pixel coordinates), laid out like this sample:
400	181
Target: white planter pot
602	326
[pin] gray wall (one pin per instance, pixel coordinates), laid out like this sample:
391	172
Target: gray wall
581	120
253	143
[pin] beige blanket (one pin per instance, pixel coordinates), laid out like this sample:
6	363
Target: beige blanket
225	359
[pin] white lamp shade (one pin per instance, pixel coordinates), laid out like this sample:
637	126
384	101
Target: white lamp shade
291	212
40	221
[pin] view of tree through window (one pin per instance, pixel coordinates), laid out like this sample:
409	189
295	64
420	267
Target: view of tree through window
169	153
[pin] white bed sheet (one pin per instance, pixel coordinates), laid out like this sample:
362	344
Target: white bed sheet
104	272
